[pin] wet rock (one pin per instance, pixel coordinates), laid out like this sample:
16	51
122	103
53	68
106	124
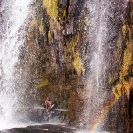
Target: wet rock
41	129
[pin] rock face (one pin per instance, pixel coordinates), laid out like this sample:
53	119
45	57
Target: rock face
51	57
120	77
43	129
54	64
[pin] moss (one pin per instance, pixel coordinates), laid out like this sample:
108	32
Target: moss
44	83
127	58
41	28
49	35
63	9
64	14
118	91
127	61
72	44
77	63
52	12
51	7
125	83
127	87
125	28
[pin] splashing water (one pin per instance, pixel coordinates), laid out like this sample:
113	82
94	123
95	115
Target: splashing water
97	35
101	31
12	32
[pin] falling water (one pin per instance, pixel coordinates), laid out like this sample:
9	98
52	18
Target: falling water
97	36
13	19
13	23
101	32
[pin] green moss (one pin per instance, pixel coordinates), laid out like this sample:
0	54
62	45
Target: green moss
77	63
44	83
64	14
72	44
51	7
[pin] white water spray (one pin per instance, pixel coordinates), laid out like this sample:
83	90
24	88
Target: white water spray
12	32
97	36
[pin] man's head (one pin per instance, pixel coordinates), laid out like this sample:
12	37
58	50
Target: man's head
48	98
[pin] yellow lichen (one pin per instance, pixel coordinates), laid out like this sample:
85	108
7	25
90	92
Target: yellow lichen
117	90
127	87
49	35
72	44
51	7
41	28
52	12
127	58
124	29
124	85
78	64
64	13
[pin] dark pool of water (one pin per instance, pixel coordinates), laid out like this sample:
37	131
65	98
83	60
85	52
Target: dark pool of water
47	128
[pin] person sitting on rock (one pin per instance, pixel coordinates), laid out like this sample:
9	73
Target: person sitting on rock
49	104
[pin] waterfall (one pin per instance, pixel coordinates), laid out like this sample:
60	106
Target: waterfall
95	93
14	15
105	19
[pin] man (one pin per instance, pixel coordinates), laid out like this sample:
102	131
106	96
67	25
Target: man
49	104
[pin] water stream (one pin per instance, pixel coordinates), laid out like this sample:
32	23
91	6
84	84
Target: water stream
101	34
97	36
12	32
